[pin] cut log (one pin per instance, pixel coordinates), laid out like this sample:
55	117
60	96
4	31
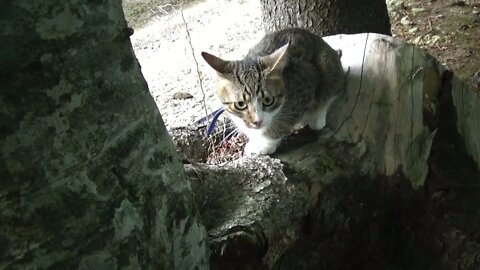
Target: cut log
248	204
370	190
390	86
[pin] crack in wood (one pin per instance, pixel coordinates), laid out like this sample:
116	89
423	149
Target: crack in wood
412	99
359	87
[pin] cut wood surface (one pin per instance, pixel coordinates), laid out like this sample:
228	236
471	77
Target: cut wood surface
390	85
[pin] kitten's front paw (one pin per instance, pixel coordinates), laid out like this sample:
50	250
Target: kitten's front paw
320	117
266	148
319	123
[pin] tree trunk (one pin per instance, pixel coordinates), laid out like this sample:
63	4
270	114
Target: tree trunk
393	182
88	175
327	17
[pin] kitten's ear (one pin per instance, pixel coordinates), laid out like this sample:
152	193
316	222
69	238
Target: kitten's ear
276	60
221	66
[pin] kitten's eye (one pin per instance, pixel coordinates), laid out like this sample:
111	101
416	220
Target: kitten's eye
268	101
240	105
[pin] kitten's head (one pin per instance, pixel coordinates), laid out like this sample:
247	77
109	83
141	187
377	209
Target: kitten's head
251	89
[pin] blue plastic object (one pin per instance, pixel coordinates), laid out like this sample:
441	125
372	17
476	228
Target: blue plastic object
214	117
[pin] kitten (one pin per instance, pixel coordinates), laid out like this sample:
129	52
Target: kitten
290	77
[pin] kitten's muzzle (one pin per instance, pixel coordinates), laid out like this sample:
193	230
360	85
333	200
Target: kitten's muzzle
255	125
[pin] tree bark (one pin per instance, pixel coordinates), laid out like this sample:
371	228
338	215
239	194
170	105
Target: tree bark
88	175
392	183
327	17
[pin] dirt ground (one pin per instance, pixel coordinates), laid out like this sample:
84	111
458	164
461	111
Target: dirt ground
171	57
172	65
447	29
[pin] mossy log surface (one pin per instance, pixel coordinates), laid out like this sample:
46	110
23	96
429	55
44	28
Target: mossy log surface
393	182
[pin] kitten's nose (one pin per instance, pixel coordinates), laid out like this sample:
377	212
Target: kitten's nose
257	123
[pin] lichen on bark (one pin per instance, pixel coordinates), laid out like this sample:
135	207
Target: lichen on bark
87	166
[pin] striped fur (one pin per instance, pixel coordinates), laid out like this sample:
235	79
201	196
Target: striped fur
289	76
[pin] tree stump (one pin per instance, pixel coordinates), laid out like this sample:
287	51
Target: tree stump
392	182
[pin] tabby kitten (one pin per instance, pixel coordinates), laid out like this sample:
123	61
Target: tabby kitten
290	77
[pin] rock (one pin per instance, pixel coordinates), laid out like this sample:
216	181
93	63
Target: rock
476	79
418	41
182	95
433	39
418	10
413	30
393	5
459	3
405	21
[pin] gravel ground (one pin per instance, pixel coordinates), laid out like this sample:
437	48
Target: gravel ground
228	28
165	54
